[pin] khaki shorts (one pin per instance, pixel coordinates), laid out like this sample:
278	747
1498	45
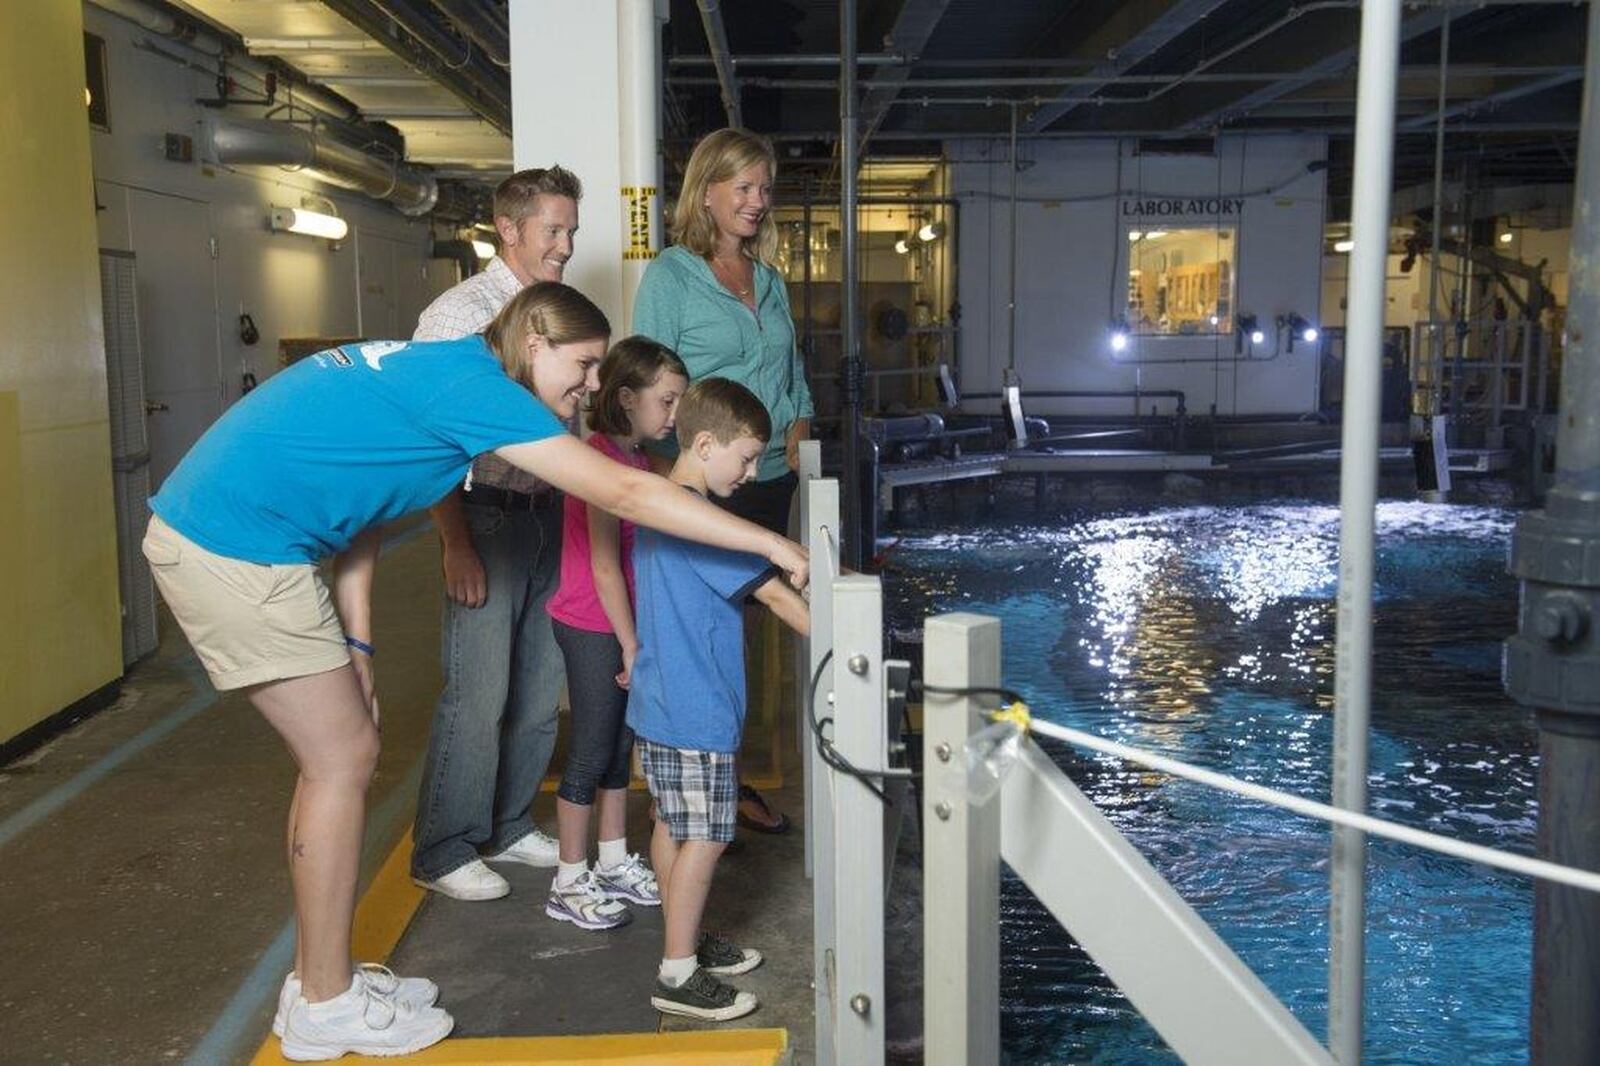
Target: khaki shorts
248	622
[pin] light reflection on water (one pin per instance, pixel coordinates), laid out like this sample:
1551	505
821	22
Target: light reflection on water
1207	633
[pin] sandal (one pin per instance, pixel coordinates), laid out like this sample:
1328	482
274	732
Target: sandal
776	824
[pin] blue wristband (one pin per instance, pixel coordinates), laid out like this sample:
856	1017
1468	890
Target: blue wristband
361	646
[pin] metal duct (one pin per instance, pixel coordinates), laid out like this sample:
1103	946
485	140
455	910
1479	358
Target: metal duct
260	142
717	41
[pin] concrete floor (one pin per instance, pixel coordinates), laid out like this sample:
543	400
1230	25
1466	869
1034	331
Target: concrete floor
145	914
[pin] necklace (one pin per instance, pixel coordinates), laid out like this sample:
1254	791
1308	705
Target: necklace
725	275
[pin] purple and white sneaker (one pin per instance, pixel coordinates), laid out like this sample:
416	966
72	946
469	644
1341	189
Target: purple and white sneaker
585	905
631	880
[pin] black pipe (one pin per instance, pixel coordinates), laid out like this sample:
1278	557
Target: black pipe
486	90
474	22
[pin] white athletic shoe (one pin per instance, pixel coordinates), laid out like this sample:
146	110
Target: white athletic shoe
585	905
535	849
471	882
630	880
417	991
362	1022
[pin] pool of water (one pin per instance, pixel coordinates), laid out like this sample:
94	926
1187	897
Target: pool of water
1207	633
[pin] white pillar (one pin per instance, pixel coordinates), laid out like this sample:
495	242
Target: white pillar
566	107
637	31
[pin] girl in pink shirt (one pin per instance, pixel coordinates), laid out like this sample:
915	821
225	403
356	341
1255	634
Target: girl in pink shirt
592	613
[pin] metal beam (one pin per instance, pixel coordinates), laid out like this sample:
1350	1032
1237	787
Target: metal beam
1469	107
721	58
1155	35
913	26
1426	21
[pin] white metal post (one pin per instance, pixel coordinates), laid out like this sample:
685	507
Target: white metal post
810	470
822	517
1358	494
960	852
858	734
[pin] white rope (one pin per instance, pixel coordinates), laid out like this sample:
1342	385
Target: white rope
1521	864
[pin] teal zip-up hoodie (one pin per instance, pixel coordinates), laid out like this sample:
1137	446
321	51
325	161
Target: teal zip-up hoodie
681	304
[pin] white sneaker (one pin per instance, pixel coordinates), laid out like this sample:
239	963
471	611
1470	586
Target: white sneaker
630	880
474	881
362	1022
535	849
584	905
418	992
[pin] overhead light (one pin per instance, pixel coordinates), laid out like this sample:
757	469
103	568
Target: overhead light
1134	235
1247	326
931	232
902	246
1119	335
1215	321
1344	247
1505	238
1299	327
484	249
310	223
1155	235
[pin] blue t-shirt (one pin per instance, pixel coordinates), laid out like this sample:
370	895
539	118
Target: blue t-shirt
345	439
687	689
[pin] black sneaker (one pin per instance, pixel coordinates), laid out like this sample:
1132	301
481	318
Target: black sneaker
703	996
718	955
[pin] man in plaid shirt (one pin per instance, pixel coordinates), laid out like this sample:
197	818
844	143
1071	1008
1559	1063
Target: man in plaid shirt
495	725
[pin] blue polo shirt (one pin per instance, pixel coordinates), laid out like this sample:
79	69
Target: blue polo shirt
687	689
345	439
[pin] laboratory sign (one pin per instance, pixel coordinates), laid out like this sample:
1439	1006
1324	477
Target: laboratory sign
1179	207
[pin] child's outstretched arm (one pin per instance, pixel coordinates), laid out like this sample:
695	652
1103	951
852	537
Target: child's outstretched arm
781	598
605	562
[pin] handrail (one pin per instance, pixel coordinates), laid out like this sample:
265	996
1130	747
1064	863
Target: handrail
1504	860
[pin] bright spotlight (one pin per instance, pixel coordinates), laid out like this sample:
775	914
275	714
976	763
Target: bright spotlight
1344	247
1134	234
1119	341
902	246
1505	238
1256	336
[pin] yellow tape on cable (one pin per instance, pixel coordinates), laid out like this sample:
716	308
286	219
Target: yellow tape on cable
637	213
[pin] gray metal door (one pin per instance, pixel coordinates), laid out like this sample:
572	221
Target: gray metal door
172	237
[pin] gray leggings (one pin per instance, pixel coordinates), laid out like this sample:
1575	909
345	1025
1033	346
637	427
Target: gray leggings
601	739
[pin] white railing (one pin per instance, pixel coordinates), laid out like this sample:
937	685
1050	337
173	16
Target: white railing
1201	998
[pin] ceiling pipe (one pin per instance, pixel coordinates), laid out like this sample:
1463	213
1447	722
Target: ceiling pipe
164	24
721	58
261	142
475	24
448	61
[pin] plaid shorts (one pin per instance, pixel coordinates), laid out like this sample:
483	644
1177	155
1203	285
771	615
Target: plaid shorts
696	792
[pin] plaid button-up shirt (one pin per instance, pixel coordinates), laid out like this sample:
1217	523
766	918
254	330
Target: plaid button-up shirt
461	311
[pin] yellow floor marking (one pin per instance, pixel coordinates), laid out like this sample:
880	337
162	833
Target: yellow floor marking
386	910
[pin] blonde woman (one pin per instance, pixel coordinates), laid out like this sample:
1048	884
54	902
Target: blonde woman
715	298
310	465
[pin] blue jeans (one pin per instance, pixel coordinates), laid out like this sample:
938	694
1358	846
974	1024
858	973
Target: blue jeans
495	726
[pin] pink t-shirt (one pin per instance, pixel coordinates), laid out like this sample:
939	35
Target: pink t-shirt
576	602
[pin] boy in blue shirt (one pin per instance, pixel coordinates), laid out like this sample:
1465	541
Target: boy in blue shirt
686	700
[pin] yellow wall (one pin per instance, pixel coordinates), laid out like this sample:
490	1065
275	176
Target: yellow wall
60	630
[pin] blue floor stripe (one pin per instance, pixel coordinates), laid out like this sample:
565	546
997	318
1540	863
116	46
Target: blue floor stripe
51	802
233	1033
204	696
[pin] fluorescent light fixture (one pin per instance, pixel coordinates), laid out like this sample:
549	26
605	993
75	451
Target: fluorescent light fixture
1505	238
902	246
484	249
310	223
1344	247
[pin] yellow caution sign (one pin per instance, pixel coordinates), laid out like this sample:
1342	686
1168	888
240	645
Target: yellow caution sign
636	207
